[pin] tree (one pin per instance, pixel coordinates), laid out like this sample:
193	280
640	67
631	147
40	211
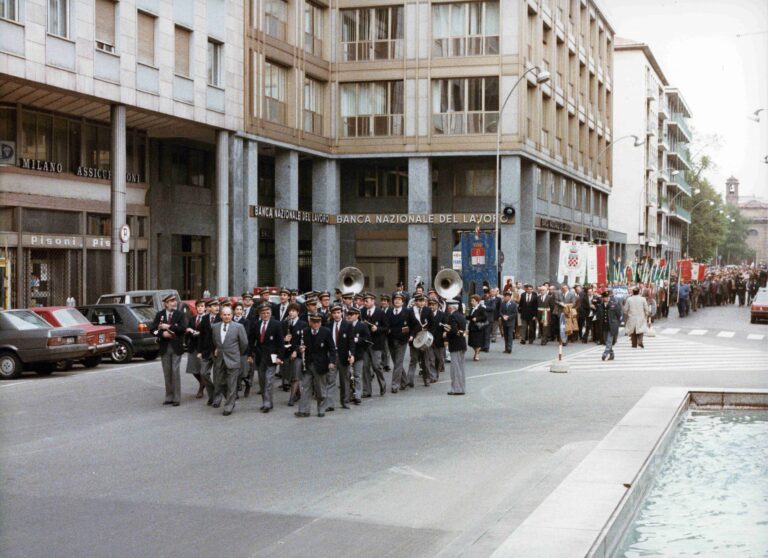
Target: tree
707	229
734	248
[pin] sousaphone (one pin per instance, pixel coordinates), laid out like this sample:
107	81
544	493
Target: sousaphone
350	280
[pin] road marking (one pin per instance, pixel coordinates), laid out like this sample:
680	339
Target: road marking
697	332
755	336
671	330
410	471
726	334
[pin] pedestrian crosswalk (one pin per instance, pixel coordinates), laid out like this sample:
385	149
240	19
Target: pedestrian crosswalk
704	332
666	352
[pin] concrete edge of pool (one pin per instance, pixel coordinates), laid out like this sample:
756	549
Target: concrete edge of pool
587	514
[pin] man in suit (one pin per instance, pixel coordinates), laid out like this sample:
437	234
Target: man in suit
397	339
267	352
508	313
384	304
238	316
373	317
280	309
584	310
341	332
205	345
192	337
249	308
169	327
320	354
609	316
294	336
230	343
419	319
400	288
456	341
325	306
490	303
546	311
529	304
361	338
436	353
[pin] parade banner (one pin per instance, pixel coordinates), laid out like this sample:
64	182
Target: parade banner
702	274
572	263
685	270
597	264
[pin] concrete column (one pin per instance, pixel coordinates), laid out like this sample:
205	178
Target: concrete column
118	196
251	186
237	216
542	256
554	252
222	213
326	198
419	236
287	232
518	239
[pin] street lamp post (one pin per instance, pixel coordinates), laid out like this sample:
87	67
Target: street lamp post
542	76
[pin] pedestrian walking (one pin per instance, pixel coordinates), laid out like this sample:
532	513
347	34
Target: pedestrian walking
169	327
637	312
230	343
457	346
609	316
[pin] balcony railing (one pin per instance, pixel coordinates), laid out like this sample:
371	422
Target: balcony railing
465	122
680	121
372	125
682	152
682	213
682	183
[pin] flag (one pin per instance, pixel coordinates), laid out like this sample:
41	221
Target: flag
685	270
572	263
602	264
591	276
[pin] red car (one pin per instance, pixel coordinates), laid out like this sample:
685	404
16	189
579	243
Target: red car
100	338
759	309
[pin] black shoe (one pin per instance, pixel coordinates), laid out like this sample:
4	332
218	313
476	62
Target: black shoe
266	409
176	403
167	402
382	391
366	395
227	413
216	405
330	409
507	352
301	415
411	385
260	392
247	391
641	345
387	369
290	402
344	406
610	357
321	415
543	343
604	356
394	390
356	401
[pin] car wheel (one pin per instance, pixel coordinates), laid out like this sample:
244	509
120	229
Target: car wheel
122	352
151	356
48	368
10	366
63	365
92	362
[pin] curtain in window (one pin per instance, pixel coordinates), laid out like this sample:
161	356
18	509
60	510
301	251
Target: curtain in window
440	15
475	18
348	100
348	26
457	20
379	103
491	18
364	100
364	25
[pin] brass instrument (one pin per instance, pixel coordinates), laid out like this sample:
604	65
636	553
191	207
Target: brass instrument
303	353
350	280
448	283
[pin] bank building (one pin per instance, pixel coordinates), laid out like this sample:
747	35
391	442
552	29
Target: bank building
274	142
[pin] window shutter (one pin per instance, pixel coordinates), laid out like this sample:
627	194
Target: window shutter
146	28
105	22
182	51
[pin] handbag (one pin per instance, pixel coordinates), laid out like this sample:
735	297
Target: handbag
650	332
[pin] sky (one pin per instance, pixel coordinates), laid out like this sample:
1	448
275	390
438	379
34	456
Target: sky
723	77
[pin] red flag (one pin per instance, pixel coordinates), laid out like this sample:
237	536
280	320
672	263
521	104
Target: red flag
629	274
685	270
602	264
702	271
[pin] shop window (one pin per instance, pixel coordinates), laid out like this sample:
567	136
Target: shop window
50	222
98	224
7	219
52	275
7	124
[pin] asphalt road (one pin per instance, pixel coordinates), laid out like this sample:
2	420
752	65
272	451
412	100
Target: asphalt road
93	465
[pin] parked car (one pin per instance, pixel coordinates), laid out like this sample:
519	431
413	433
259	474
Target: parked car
132	322
759	309
100	338
28	342
152	298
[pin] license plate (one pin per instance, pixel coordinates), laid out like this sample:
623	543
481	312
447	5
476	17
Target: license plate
69	340
101	339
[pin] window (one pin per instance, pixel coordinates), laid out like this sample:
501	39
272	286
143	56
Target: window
313	106
58	17
188	167
8	9
105	25
275	18
214	63
49	221
182	42
556	185
96	142
372	33
567	193
274	92
372	109
465	29
375	181
541	184
7	123
465	105
313	29
146	38
98	224
475	182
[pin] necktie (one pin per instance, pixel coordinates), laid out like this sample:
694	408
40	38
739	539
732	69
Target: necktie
336	335
314	332
263	332
225	328
397	312
197	322
168	317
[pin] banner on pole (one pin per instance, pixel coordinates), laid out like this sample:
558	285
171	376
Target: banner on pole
572	265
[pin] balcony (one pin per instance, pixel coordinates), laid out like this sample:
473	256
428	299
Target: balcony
651	92
679	120
679	179
683	214
663	109
680	152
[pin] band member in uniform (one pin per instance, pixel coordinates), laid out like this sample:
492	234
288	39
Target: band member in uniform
508	316
478	321
419	319
249	308
361	338
169	327
374	318
397	339
384	303
230	343
205	345
357	301
294	334
456	341
320	357
341	331
267	352
400	288
346	303
238	317
325	306
192	336
436	353
310	306
280	309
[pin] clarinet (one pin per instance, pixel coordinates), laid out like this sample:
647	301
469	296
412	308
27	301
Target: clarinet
303	354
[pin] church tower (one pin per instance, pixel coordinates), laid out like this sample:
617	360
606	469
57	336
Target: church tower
732	191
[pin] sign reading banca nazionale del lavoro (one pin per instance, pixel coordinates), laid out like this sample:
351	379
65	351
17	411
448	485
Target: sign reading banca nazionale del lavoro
260	211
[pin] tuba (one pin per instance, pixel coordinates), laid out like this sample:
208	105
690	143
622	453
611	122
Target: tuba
448	283
350	280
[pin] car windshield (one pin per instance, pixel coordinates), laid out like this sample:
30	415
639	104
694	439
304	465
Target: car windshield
116	299
69	317
144	313
25	320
